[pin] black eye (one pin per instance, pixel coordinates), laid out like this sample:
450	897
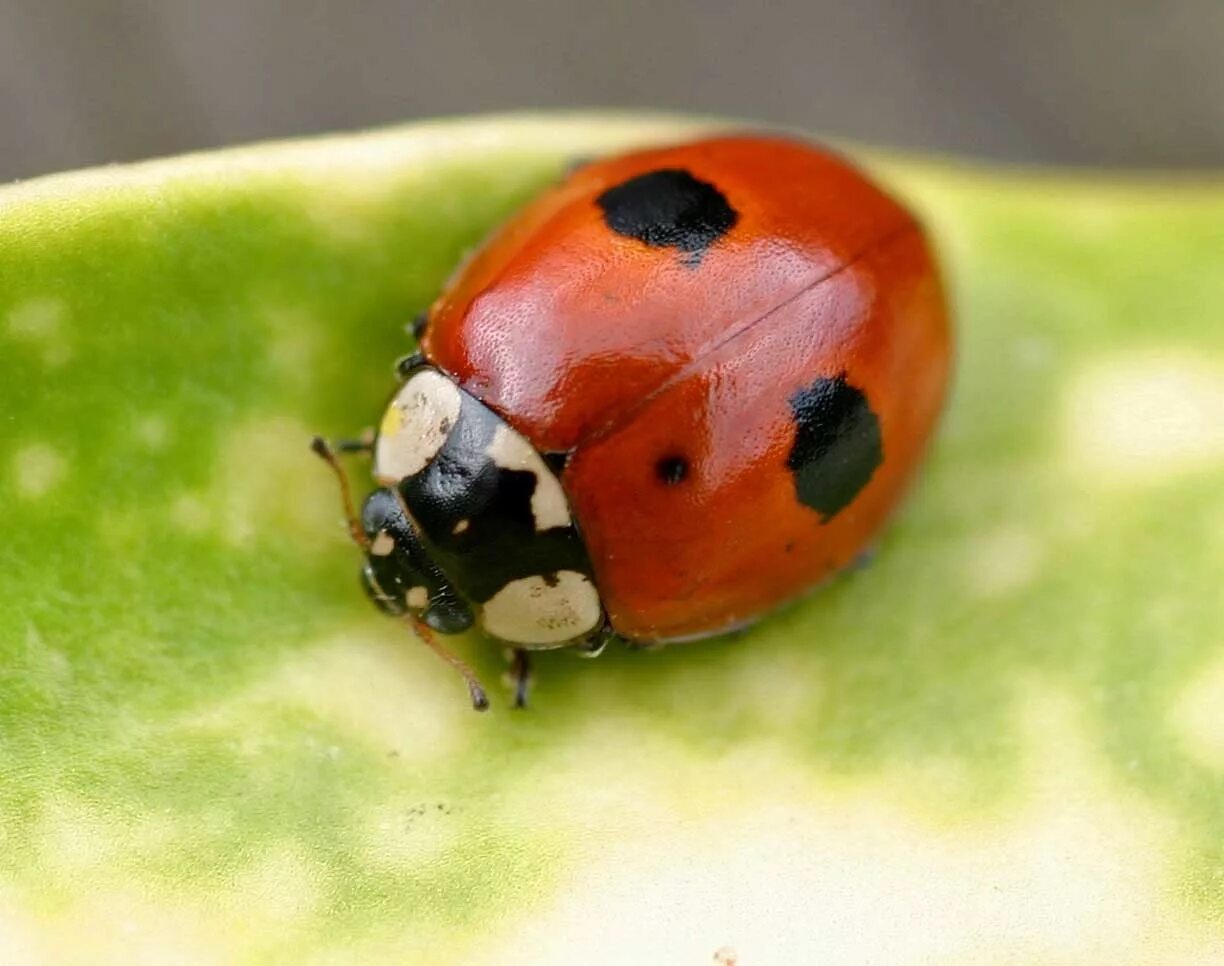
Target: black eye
379	511
672	469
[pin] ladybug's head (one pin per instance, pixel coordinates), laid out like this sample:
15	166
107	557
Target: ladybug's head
398	574
470	523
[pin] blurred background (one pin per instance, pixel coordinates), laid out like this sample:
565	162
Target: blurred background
1100	82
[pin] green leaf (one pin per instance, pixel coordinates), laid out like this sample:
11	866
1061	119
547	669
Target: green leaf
1001	740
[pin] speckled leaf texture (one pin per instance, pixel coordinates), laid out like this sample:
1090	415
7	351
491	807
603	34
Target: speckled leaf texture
1000	741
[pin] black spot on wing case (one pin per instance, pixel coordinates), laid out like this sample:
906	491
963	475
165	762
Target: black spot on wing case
476	516
837	445
668	208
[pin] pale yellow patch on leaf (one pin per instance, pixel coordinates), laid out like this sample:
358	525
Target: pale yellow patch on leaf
294	344
39	321
383	688
1197	712
1145	418
18	934
408	835
1001	561
37	469
282	886
76	836
43	666
259	905
189	512
130	926
271	487
387	688
262	905
786	868
780	696
152	431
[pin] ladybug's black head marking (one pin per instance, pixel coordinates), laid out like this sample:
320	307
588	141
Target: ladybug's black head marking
669	208
837	444
399	575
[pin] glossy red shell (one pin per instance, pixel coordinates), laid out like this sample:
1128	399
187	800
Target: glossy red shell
624	354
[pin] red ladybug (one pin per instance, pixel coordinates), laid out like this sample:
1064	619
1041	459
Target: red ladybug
674	392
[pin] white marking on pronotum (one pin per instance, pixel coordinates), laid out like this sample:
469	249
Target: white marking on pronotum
461	527
382	544
415	426
532	610
418	598
511	451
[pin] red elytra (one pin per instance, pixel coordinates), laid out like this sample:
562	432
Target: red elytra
741	344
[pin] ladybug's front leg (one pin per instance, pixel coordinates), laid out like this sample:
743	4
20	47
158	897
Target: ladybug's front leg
519	674
362	444
598	640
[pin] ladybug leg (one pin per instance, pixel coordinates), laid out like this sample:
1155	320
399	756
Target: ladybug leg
321	449
418	324
575	165
595	644
863	560
424	632
519	673
480	700
362	444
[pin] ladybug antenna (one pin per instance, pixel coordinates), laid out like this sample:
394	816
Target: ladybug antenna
480	700
321	449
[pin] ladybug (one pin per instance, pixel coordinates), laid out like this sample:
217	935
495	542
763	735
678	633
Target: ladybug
677	390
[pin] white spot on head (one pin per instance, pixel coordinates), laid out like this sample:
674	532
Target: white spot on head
382	544
531	611
511	451
1146	418
37	468
415	426
418	598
